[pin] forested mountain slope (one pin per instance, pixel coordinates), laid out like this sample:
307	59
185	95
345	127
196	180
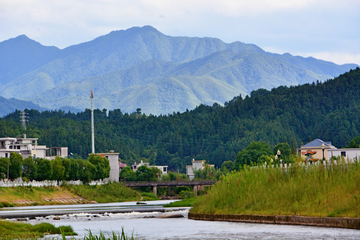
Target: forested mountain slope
329	111
187	71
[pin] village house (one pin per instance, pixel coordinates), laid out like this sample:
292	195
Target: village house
135	166
320	149
195	165
29	147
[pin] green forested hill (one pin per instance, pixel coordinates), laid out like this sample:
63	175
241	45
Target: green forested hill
142	68
329	111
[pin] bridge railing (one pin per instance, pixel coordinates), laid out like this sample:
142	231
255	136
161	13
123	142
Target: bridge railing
168	183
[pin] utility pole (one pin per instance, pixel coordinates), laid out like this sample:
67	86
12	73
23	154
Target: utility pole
23	118
92	120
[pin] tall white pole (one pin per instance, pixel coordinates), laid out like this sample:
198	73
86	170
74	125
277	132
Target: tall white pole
92	122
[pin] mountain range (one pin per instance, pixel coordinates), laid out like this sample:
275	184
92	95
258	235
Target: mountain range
142	68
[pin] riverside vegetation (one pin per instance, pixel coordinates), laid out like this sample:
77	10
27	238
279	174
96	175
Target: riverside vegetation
14	230
312	191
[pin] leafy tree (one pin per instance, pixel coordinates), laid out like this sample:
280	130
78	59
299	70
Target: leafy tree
293	150
227	166
102	166
144	173
15	168
252	153
354	143
207	173
44	169
66	163
4	164
29	168
157	173
74	173
284	149
87	170
58	169
128	174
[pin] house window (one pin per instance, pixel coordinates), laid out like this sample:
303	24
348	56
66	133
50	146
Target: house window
6	155
107	157
343	154
164	169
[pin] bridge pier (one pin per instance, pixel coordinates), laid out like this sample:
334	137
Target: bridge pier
195	190
155	190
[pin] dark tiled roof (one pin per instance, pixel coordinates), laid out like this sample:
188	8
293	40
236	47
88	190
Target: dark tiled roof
317	143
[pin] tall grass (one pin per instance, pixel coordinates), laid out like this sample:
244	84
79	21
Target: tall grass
114	236
14	230
313	191
111	192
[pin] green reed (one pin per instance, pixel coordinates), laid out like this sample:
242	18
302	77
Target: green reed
312	191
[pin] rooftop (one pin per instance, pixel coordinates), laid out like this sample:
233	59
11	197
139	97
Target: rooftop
317	143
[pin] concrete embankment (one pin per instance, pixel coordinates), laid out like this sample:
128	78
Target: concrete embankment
286	220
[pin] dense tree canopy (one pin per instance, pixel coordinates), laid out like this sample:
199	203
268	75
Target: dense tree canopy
327	110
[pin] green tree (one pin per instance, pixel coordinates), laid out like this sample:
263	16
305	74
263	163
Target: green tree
354	143
87	170
252	153
29	168
58	169
44	169
144	173
284	149
74	173
208	172
293	150
66	162
16	161
4	164
128	174
227	166
102	166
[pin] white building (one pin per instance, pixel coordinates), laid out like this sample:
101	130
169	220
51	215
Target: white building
347	153
29	147
196	165
114	164
135	166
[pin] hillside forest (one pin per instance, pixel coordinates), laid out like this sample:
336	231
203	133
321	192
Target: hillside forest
328	110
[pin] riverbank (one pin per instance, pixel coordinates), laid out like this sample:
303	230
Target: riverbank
353	223
71	194
33	196
312	192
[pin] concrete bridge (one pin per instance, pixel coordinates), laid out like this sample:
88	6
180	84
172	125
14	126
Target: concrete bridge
195	184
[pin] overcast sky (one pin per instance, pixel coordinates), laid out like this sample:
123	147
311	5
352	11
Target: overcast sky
325	29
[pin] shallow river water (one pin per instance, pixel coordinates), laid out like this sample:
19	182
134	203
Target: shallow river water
147	226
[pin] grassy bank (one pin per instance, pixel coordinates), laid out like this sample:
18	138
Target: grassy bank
14	230
34	196
111	192
316	191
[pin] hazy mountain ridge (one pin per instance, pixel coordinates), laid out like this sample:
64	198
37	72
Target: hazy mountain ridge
126	65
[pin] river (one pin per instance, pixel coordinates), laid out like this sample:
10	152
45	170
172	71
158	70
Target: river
145	225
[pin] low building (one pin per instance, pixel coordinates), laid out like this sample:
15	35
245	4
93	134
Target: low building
195	165
121	166
29	147
318	146
135	166
113	158
347	153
